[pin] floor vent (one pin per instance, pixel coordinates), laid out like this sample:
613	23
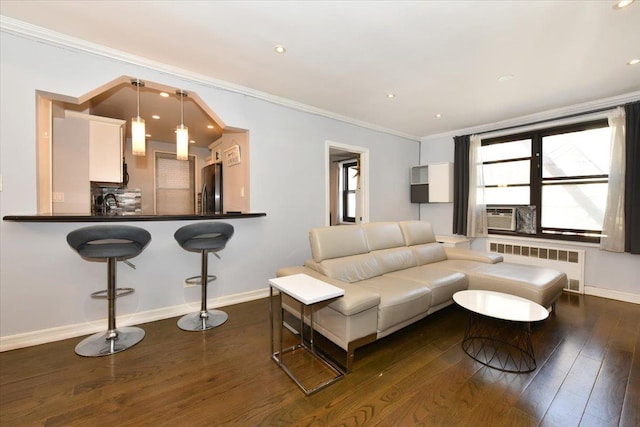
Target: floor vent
570	261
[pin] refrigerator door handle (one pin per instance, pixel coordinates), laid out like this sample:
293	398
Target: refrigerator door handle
203	200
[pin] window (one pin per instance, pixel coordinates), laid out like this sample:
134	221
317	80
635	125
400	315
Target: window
349	184
562	171
175	184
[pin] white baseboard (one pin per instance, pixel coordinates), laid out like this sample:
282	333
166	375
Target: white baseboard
608	293
43	336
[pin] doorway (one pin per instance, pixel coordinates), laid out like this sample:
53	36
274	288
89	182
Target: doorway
347	184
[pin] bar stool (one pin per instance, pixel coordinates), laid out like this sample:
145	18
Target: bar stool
112	243
203	237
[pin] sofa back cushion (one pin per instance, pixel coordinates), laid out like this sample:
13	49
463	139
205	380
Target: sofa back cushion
337	241
383	235
351	268
428	253
417	232
394	259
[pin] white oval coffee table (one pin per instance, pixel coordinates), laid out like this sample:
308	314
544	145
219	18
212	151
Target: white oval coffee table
498	334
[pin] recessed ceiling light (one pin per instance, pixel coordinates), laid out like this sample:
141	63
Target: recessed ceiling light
192	141
505	78
148	135
209	126
634	61
437	116
279	48
622	3
164	94
155	117
391	95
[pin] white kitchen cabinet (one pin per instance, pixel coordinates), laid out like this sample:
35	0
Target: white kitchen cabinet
105	149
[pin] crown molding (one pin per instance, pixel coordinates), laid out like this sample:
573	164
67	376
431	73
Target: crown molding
54	38
549	115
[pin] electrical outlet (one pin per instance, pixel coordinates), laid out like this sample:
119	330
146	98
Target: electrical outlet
58	197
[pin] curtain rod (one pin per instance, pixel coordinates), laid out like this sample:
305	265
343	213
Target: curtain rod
569	116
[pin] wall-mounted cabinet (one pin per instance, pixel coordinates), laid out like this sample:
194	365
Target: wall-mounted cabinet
87	148
105	150
432	183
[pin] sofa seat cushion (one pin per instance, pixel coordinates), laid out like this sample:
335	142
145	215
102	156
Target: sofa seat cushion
537	284
400	299
442	282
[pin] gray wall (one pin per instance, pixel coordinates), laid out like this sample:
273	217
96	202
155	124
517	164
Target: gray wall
40	274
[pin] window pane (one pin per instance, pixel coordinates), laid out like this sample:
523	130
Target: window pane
352	182
507	195
506	173
351	205
506	150
574	206
576	153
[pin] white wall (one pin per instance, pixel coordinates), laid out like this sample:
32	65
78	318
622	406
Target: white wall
606	274
44	284
236	182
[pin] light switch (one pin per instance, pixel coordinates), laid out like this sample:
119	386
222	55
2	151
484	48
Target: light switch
58	197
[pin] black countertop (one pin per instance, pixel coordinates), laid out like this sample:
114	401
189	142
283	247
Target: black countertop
126	217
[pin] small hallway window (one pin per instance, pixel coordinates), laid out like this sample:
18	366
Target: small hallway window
349	185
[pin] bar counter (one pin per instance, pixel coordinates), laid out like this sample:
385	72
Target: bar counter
127	217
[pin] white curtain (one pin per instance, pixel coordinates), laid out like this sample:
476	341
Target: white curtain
613	225
477	212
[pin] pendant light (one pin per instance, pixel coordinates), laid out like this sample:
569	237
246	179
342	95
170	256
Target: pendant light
137	126
182	132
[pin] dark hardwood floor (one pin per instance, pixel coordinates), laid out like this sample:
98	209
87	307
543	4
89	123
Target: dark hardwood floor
588	374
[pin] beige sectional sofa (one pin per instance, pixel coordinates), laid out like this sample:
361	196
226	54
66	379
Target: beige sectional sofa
395	273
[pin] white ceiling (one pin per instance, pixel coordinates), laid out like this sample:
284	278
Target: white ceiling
438	57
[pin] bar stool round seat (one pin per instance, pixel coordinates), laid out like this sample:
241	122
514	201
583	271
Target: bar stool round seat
111	243
203	237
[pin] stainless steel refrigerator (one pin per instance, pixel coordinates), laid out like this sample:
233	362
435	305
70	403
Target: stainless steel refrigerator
212	189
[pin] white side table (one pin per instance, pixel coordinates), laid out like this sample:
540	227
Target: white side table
454	241
308	291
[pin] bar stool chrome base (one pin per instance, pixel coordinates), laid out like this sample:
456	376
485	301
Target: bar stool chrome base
197	280
202	320
104	343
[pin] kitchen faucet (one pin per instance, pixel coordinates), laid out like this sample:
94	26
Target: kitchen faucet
106	206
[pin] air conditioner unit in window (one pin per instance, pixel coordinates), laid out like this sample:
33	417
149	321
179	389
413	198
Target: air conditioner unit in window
501	218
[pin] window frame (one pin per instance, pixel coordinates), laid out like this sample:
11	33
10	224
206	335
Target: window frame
345	191
537	182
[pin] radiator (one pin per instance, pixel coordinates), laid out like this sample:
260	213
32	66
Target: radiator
569	261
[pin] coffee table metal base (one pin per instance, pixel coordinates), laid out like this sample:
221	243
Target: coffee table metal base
500	344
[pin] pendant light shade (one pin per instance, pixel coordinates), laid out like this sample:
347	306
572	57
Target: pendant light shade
182	132
138	143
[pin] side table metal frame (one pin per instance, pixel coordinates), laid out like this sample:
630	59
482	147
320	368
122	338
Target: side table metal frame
277	355
504	345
